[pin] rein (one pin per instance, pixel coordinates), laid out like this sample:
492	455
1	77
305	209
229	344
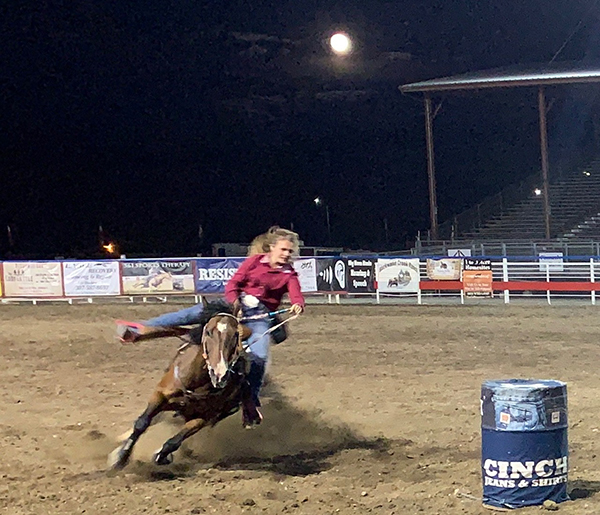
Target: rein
264	315
271	329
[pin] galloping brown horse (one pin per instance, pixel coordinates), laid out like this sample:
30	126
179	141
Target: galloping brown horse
205	383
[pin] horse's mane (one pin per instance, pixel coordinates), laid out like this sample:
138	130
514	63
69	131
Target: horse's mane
213	308
210	310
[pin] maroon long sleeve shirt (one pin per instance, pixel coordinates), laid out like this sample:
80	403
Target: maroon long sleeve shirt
256	277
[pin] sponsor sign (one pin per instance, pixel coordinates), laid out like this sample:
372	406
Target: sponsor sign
32	279
1	279
525	474
91	278
477	277
524	444
459	252
444	269
307	274
551	261
398	275
361	276
331	274
212	274
144	277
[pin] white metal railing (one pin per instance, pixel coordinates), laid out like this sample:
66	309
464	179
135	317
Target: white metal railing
513	280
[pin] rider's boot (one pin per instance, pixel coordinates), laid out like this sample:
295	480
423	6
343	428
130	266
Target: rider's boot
251	415
130	332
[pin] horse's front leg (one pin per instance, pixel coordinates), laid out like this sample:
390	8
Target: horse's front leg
164	455
118	458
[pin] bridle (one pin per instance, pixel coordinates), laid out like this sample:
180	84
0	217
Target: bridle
239	349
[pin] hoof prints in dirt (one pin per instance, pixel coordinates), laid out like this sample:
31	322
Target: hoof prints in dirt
582	489
303	463
292	442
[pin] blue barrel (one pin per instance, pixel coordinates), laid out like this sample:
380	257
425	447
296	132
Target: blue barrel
524	447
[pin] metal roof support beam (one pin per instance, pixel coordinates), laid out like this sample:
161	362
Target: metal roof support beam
544	151
431	168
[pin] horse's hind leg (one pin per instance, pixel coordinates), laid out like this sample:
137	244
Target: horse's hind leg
118	458
125	435
164	455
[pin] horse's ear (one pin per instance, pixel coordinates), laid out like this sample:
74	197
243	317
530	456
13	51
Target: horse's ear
204	302
237	308
245	331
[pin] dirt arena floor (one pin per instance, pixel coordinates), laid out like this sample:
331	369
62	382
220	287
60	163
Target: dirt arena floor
369	410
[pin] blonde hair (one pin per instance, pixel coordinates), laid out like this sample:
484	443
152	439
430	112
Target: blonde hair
262	243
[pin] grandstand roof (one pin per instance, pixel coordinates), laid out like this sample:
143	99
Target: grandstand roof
513	76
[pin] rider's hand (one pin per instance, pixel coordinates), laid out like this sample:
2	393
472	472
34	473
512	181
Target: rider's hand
296	309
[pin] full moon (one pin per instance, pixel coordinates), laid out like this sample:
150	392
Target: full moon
340	43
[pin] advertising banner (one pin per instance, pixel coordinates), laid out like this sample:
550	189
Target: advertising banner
33	279
331	274
361	276
459	252
551	262
307	274
1	280
82	278
477	277
164	277
398	275
444	269
213	273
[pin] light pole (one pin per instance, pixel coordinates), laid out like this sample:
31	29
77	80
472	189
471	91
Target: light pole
318	201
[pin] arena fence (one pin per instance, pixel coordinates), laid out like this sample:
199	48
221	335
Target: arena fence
334	279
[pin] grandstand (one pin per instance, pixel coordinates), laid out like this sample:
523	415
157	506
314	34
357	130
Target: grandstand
534	215
575	206
512	221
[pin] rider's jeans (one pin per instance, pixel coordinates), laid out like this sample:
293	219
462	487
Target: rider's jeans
187	316
258	348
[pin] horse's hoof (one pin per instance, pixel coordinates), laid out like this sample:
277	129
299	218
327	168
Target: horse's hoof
251	417
116	460
163	459
123	437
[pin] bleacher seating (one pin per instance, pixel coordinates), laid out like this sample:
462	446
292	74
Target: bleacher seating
574	208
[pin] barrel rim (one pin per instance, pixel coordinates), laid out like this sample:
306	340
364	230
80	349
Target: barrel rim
524	383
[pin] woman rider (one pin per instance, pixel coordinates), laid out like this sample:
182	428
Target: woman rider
260	283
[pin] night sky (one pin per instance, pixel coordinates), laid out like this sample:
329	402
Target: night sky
154	118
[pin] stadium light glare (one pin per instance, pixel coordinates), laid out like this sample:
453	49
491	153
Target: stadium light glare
110	248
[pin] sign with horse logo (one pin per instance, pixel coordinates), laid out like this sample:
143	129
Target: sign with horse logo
91	278
398	275
143	277
444	269
33	279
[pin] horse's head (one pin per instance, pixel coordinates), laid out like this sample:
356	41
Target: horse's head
222	344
